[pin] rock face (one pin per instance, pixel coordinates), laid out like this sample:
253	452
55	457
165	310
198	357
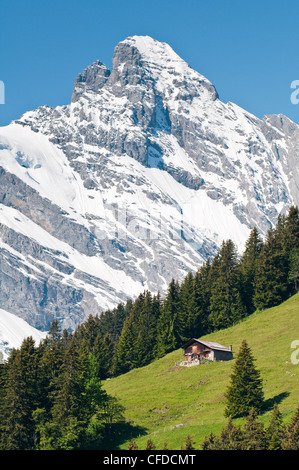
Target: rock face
138	180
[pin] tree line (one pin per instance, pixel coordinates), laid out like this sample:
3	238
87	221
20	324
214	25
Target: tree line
254	435
219	294
51	396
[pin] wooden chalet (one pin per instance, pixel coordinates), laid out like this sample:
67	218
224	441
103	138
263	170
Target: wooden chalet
196	350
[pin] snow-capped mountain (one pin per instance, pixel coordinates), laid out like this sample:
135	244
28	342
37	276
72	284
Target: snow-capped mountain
139	179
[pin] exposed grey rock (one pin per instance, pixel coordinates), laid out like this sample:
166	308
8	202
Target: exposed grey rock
92	79
157	171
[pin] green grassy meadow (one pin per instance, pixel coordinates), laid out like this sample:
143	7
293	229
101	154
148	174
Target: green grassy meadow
161	396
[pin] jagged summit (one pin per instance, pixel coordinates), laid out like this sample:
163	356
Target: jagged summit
92	79
140	58
146	51
152	50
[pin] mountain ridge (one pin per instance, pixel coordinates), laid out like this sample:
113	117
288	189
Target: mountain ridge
138	180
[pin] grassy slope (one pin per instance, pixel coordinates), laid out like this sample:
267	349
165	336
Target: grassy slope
161	395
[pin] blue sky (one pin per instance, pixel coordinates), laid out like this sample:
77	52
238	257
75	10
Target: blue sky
248	49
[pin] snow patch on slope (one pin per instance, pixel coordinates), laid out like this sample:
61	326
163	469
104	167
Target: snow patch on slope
13	331
93	265
44	167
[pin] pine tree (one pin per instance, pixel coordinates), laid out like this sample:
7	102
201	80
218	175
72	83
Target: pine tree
94	403
170	326
120	313
209	442
275	430
248	267
125	358
189	444
112	412
245	390
111	322
150	445
51	353
67	412
226	306
138	337
291	242
271	280
146	325
254	433
93	396
291	238
89	331
293	275
291	439
132	446
187	307
199	316
21	397
230	438
3	410
103	351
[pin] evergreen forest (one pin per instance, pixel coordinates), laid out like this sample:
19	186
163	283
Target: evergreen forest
52	395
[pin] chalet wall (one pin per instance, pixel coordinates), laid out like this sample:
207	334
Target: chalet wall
222	356
195	350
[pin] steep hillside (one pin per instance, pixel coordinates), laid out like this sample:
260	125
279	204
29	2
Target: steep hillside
161	396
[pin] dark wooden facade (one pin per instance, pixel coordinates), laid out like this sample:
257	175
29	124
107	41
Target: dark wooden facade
196	349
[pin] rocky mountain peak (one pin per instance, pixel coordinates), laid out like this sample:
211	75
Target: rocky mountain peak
148	52
139	179
93	78
141	61
162	63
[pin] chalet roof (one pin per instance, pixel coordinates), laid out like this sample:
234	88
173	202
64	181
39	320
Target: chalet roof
208	344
